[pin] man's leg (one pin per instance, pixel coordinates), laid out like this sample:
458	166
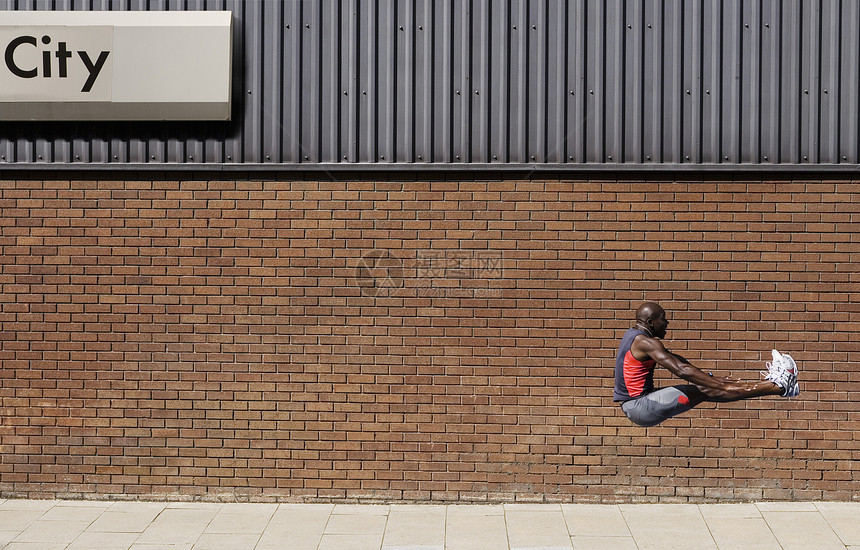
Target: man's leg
757	389
657	406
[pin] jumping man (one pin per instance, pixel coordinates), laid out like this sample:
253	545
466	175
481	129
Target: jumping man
641	349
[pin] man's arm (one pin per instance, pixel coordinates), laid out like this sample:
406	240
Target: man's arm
679	366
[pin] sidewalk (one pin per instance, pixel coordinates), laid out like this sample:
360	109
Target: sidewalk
47	525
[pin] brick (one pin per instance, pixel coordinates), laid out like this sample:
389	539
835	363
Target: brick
195	337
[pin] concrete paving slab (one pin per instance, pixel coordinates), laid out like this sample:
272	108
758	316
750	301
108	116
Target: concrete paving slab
838	508
249	507
300	524
301	537
844	519
159	546
746	533
417	508
351	509
235	519
413	546
786	507
667	526
540	528
177	526
84	503
227	541
90	540
595	520
124	522
415	528
31	505
7	536
186	516
603	543
847	529
58	532
466	531
18	520
291	513
714	511
194	506
135	507
802	530
35	546
352	542
475	510
73	513
532	507
356	524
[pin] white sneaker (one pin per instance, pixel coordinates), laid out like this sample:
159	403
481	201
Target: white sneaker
783	372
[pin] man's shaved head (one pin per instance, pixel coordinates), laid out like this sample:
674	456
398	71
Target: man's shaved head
648	311
652	318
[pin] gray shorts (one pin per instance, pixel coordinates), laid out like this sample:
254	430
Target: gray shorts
655	407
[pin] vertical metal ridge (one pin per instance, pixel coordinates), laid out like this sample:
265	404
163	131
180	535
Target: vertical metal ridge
751	108
594	71
543	82
272	63
613	80
366	91
757	98
792	82
387	30
461	66
443	81
633	93
673	47
423	81
498	52
556	20
691	137
828	149
733	39
812	53
771	66
350	121
404	90
849	75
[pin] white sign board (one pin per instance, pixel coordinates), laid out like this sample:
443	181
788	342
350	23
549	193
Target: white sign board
74	65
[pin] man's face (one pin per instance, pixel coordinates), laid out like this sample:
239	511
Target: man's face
659	323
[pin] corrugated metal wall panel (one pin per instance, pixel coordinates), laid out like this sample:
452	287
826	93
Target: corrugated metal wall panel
578	82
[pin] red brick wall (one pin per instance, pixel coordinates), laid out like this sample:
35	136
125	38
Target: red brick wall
415	340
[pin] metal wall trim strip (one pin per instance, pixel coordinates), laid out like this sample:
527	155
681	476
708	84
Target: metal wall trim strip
423	168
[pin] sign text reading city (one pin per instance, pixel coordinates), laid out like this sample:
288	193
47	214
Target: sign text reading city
63	57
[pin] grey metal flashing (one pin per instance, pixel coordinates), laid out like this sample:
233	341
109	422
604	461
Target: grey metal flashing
462	167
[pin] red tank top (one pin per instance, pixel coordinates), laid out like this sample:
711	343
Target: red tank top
633	378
